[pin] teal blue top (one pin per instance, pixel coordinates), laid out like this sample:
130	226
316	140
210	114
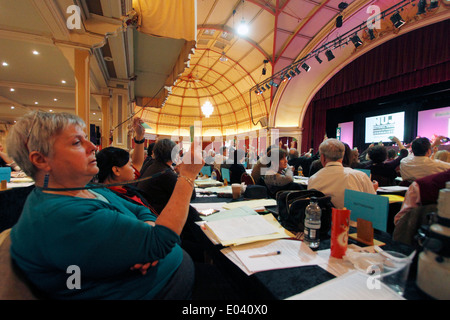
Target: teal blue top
104	239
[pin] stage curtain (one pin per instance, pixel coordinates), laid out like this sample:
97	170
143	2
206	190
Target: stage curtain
417	59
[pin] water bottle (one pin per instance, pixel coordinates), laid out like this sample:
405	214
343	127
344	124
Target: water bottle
213	175
312	224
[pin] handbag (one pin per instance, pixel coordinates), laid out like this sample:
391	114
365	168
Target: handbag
292	205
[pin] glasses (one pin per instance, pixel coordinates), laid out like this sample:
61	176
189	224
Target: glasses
31	129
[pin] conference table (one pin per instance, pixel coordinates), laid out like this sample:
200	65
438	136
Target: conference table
284	283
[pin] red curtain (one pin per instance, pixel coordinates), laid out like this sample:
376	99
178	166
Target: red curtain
414	60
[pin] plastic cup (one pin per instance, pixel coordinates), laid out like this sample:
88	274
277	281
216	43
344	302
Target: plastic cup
395	271
236	189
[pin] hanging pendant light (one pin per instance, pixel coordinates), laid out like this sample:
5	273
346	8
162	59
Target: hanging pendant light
207	108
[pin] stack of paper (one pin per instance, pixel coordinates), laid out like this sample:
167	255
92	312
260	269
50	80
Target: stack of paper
203	183
261	203
270	255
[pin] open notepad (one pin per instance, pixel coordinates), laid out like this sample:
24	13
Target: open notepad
242	225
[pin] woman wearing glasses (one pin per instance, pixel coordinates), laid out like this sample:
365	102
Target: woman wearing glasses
63	224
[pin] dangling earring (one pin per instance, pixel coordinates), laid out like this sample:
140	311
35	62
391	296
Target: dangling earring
46	178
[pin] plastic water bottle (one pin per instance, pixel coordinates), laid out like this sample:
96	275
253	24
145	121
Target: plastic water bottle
312	224
213	175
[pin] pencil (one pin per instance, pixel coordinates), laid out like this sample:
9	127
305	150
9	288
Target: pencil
266	254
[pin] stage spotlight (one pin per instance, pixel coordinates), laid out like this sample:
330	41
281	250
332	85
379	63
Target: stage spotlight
318	59
397	20
306	67
292	73
339	22
267	86
371	34
356	41
433	4
296	70
264	71
421	6
329	55
273	84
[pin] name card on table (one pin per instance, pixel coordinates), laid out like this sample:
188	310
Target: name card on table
369	207
225	174
5	174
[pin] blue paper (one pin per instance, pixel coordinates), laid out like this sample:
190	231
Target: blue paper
5	174
206	170
225	174
367	206
366	171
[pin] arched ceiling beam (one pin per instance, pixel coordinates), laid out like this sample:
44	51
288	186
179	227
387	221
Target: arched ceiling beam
230	30
298	29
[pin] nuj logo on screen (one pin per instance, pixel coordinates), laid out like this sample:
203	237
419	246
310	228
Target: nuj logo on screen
384	120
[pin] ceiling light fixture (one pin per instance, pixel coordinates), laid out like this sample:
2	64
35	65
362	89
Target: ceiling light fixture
207	108
12	89
35	52
223	57
63	81
242	28
5	64
371	34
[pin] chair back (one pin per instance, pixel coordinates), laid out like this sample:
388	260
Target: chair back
247	179
13	286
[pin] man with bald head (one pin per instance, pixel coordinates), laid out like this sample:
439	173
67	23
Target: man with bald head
334	178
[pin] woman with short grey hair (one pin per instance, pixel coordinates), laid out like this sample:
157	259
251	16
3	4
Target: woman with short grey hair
122	250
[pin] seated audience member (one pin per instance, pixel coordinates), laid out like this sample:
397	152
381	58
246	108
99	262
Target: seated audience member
261	165
158	190
123	250
334	178
138	152
381	170
221	157
422	192
280	177
293	154
391	154
6	161
236	168
115	166
149	159
442	155
303	163
346	161
209	159
420	164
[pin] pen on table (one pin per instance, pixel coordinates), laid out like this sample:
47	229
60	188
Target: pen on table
265	254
